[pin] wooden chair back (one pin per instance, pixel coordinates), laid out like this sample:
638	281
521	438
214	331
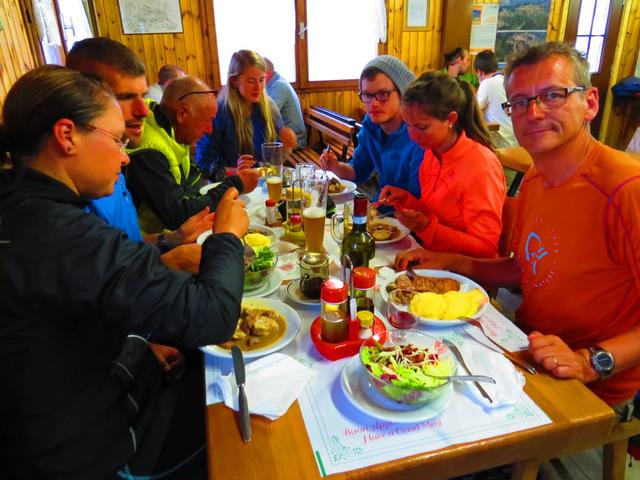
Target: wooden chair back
518	160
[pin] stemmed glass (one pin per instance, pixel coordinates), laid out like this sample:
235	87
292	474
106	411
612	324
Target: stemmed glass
398	313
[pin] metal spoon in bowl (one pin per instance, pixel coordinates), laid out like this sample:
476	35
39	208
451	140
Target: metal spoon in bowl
464	378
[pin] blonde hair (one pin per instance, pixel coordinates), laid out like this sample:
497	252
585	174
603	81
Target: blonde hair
233	101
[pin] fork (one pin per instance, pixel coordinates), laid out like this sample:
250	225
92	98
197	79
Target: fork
510	355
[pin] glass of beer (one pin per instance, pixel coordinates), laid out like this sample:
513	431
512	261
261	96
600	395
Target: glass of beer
272	158
314	210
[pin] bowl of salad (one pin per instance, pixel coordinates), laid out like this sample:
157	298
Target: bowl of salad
407	367
258	268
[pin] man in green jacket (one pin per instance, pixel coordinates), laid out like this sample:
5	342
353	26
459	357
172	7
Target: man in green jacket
165	185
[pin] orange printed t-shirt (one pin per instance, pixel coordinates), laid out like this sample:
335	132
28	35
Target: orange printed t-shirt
578	245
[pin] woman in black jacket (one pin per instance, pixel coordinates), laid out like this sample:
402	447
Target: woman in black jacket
82	395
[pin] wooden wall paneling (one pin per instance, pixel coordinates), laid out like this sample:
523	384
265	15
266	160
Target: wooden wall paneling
210	45
16	56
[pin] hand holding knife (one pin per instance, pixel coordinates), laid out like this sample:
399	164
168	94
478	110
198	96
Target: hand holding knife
243	406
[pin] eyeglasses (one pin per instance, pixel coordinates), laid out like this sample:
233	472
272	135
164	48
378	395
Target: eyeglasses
121	142
546	100
381	96
202	92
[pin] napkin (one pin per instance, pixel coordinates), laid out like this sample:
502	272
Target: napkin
273	383
483	361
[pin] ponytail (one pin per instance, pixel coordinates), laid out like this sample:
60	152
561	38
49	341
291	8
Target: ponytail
471	118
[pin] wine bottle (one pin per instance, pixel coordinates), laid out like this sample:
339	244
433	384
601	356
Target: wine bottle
358	245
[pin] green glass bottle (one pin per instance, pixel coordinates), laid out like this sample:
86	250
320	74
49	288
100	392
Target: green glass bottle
358	244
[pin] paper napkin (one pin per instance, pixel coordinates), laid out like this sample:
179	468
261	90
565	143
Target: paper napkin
273	383
483	361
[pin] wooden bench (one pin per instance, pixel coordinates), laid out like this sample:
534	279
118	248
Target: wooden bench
326	127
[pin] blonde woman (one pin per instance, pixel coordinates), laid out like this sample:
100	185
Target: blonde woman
246	119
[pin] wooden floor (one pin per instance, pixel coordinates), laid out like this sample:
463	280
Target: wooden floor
585	465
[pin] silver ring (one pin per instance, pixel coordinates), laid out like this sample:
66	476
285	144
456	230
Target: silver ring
555	361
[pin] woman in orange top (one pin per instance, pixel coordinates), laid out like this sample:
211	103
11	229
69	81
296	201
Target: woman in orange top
462	182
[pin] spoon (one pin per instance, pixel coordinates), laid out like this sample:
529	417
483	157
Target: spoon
465	378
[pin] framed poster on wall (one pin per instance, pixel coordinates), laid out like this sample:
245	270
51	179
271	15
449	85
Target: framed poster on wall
416	15
150	16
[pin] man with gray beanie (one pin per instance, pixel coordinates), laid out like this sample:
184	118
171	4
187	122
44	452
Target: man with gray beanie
383	141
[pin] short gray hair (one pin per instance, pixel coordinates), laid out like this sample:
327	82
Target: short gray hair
537	53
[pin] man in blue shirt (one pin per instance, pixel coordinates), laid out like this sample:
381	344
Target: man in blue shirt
384	145
286	99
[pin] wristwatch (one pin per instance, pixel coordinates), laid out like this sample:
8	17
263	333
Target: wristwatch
602	361
163	246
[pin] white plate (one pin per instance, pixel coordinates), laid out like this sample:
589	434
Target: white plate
273	283
404	231
294	293
203	191
293	325
269	232
363	396
466	284
350	188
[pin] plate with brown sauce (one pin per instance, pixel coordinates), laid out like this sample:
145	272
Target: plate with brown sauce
388	230
265	326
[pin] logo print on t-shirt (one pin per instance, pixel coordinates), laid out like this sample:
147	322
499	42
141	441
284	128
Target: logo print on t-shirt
540	255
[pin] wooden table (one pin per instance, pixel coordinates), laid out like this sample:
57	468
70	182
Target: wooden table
281	449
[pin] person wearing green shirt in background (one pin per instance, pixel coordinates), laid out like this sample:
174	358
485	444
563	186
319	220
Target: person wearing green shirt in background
457	64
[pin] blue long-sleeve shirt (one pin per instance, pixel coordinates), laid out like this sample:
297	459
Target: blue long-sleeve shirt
395	157
286	99
220	148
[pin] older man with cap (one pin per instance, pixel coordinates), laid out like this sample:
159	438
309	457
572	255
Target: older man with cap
164	183
383	141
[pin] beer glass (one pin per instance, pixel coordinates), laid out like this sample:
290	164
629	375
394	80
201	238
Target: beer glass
314	210
272	158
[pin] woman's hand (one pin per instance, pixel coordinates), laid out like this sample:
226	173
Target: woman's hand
393	196
423	258
245	161
288	138
188	232
414	220
231	216
329	161
558	358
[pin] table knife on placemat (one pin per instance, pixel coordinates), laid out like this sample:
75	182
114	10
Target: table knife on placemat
243	406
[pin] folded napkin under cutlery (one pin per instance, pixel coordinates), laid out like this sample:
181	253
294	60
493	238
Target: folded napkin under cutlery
484	361
272	384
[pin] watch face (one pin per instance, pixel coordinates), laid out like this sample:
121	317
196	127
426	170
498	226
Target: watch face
604	361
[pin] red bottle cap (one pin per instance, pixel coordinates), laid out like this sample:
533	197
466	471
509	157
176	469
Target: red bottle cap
270	202
295	218
364	277
360	203
333	291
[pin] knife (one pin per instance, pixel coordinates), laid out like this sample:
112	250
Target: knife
458	354
238	367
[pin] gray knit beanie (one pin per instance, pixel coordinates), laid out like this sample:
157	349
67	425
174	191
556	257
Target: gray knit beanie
394	68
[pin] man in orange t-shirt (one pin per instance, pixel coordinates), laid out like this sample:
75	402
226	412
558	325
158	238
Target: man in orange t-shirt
577	232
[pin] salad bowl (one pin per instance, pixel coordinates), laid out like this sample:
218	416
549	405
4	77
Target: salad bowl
410	368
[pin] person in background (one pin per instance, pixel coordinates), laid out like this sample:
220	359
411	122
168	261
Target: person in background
577	232
634	143
384	145
457	64
462	183
286	99
491	96
80	301
165	75
164	183
246	119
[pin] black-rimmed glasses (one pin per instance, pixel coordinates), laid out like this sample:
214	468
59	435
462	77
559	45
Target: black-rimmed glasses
381	96
120	141
546	100
202	92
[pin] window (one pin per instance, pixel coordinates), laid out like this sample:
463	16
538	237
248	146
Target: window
592	28
306	41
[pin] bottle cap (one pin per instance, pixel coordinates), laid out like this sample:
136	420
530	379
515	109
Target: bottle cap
364	277
295	218
333	291
365	317
270	202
